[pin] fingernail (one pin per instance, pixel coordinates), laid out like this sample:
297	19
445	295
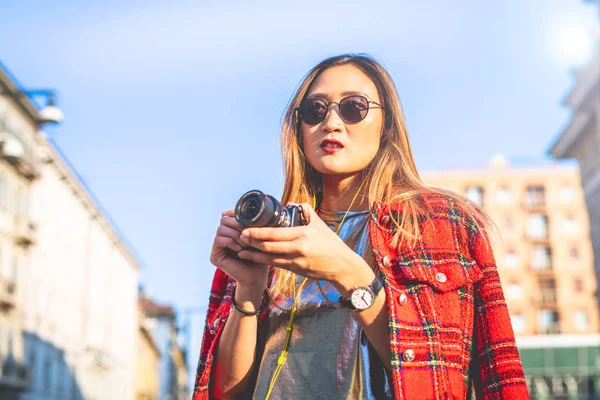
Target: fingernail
245	233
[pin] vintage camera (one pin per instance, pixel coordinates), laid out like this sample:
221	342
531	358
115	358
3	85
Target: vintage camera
256	209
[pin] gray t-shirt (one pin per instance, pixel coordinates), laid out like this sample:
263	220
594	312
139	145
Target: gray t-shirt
329	355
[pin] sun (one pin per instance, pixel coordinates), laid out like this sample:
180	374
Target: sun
574	45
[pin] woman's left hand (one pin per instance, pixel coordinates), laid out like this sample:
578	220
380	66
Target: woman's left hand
313	251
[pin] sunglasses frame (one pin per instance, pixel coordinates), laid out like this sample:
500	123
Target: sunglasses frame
369	102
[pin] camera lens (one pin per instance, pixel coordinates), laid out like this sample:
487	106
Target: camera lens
250	208
255	208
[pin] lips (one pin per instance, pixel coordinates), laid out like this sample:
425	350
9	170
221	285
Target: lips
331	145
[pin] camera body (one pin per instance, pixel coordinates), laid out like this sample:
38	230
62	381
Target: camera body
256	209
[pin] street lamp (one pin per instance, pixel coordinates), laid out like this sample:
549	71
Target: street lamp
50	114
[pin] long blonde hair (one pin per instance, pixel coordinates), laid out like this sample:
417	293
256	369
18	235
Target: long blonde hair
392	175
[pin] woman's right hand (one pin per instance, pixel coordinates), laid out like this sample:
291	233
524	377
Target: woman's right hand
224	255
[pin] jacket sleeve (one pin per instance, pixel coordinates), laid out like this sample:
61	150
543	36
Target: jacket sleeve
219	305
496	365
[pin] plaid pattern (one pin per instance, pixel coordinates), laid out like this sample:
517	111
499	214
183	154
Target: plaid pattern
452	337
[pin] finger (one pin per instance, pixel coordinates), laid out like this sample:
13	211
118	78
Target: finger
276	260
272	234
283	248
230	233
227	242
228	213
232	223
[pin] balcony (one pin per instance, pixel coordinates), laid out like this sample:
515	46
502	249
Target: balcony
545	298
8	294
19	155
534	198
542	272
551	329
532	204
25	231
26	168
14	375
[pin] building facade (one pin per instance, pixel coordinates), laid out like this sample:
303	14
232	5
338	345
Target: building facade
581	140
68	279
18	231
544	256
81	321
147	379
542	244
173	370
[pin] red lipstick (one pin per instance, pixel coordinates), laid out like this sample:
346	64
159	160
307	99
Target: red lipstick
331	146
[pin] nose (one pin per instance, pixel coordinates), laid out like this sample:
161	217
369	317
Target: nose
333	122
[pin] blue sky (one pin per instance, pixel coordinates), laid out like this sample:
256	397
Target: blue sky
173	111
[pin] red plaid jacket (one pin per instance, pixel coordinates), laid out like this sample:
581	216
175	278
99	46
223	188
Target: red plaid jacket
450	332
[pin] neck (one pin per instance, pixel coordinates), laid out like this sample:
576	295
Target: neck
338	192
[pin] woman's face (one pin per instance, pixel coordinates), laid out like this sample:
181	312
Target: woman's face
334	146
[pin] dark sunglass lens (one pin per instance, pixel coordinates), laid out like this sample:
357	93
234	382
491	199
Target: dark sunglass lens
313	111
354	108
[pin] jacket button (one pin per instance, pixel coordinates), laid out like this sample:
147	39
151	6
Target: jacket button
408	355
386	261
403	299
215	327
441	277
385	219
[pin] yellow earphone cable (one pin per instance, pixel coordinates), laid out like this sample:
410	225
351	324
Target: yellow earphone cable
286	345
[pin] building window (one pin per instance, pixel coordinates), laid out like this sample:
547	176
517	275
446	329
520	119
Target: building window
47	374
511	259
24	204
514	290
578	285
570	225
16	201
548	322
60	375
535	196
566	193
508	224
518	323
581	320
573	254
15	269
541	258
31	357
3	192
504	195
537	226
475	194
546	295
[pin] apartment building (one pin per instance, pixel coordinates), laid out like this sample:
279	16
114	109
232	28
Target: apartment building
19	121
147	376
581	140
542	244
68	277
544	256
173	371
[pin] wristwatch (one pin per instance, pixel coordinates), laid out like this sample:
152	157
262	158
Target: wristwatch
362	297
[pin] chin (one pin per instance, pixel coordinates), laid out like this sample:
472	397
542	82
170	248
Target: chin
325	169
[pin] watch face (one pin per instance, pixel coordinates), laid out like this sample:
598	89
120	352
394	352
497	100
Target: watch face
362	298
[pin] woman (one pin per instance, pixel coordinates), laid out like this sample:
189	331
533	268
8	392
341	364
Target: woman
390	290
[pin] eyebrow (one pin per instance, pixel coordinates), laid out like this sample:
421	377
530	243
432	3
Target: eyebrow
344	94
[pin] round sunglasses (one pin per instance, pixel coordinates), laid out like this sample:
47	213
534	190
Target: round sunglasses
352	109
